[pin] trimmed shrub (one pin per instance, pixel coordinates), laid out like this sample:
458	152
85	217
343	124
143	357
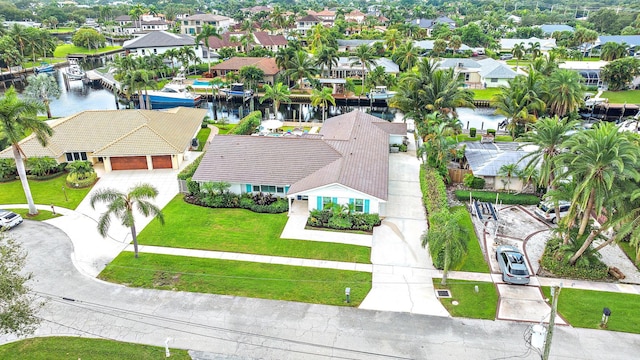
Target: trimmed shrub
8	169
193	187
473	182
204	125
82	169
491	132
343	221
188	172
247	125
505	198
472	132
434	191
74	182
340	223
42	166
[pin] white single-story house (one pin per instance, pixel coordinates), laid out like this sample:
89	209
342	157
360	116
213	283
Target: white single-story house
427	46
346	163
549	29
486	159
120	139
546	45
631	41
158	42
484	73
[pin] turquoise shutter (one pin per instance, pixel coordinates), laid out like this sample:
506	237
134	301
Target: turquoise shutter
248	188
319	203
286	189
351	201
366	206
334	201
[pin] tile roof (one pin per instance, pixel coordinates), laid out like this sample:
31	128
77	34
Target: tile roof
159	39
268	65
353	151
310	18
229	39
263	38
119	133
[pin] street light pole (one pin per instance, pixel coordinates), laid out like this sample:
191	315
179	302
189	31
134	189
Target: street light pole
555	294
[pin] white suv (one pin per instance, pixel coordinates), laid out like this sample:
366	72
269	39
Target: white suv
547	210
9	219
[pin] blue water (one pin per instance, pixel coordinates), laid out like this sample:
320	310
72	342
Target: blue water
201	83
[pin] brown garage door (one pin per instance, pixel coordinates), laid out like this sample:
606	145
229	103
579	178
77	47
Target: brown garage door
161	162
129	163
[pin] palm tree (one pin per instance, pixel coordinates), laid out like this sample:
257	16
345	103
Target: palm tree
208	31
135	13
447	240
327	57
565	92
173	54
187	53
251	74
392	39
439	47
612	51
278	93
534	49
364	57
19	35
518	52
17	118
508	171
317	37
455	43
597	160
42	87
301	66
121	205
323	98
406	56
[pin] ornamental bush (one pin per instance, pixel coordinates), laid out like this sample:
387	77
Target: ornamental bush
74	182
473	182
248	124
343	221
8	169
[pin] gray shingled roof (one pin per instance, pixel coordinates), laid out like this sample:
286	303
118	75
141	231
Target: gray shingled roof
353	152
487	159
490	68
159	39
454	62
356	42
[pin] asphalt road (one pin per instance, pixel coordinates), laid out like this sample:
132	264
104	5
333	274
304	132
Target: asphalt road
226	327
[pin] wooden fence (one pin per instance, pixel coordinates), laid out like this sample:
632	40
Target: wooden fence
456	175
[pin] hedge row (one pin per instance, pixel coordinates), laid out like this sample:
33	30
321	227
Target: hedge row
188	172
505	198
259	203
343	221
434	191
248	124
74	182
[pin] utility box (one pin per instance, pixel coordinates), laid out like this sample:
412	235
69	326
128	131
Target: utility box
538	335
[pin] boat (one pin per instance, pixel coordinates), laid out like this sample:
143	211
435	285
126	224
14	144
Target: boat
380	93
173	94
74	72
237	89
45	68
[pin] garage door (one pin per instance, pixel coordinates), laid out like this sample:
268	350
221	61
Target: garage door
161	162
129	163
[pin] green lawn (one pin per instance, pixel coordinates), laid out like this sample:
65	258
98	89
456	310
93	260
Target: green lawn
44	192
223	129
239	230
583	308
474	259
629	250
484	94
203	135
61	30
621	97
65	49
67	347
238	278
499	138
480	305
42	214
288	128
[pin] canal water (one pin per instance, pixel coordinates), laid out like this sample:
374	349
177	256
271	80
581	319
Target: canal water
80	97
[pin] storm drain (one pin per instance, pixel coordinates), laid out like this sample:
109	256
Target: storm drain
443	293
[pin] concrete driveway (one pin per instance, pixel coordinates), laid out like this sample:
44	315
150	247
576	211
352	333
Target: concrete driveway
227	327
401	276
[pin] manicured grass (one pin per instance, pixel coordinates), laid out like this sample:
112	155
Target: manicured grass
485	94
67	347
630	251
202	136
239	230
621	97
42	214
223	129
474	259
287	128
238	278
44	192
63	50
480	305
583	308
61	30
499	138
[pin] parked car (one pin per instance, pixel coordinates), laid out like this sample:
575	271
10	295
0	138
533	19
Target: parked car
9	219
506	57
512	264
546	210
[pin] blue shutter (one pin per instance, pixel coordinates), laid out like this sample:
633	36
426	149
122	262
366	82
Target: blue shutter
286	189
248	188
351	201
319	203
366	206
334	201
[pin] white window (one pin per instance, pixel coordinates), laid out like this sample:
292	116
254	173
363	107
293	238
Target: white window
358	205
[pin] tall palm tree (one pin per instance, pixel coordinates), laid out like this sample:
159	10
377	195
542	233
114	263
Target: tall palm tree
122	205
406	56
534	49
518	52
322	98
364	56
135	13
251	74
327	57
317	37
18	34
17	118
597	160
455	43
565	92
301	66
278	93
187	54
208	31
612	51
173	54
42	87
439	47
447	240
392	39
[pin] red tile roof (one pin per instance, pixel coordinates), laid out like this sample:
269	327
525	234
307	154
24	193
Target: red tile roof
263	38
268	65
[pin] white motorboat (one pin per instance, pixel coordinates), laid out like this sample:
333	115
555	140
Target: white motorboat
173	94
380	93
74	72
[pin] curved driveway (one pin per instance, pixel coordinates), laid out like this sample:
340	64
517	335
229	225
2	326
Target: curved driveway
254	328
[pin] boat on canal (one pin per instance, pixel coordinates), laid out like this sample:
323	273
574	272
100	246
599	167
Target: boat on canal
237	90
173	94
45	68
380	93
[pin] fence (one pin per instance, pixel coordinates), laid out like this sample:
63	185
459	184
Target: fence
457	175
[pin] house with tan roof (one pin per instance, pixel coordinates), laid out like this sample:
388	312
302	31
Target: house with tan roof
346	163
120	139
268	65
355	16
